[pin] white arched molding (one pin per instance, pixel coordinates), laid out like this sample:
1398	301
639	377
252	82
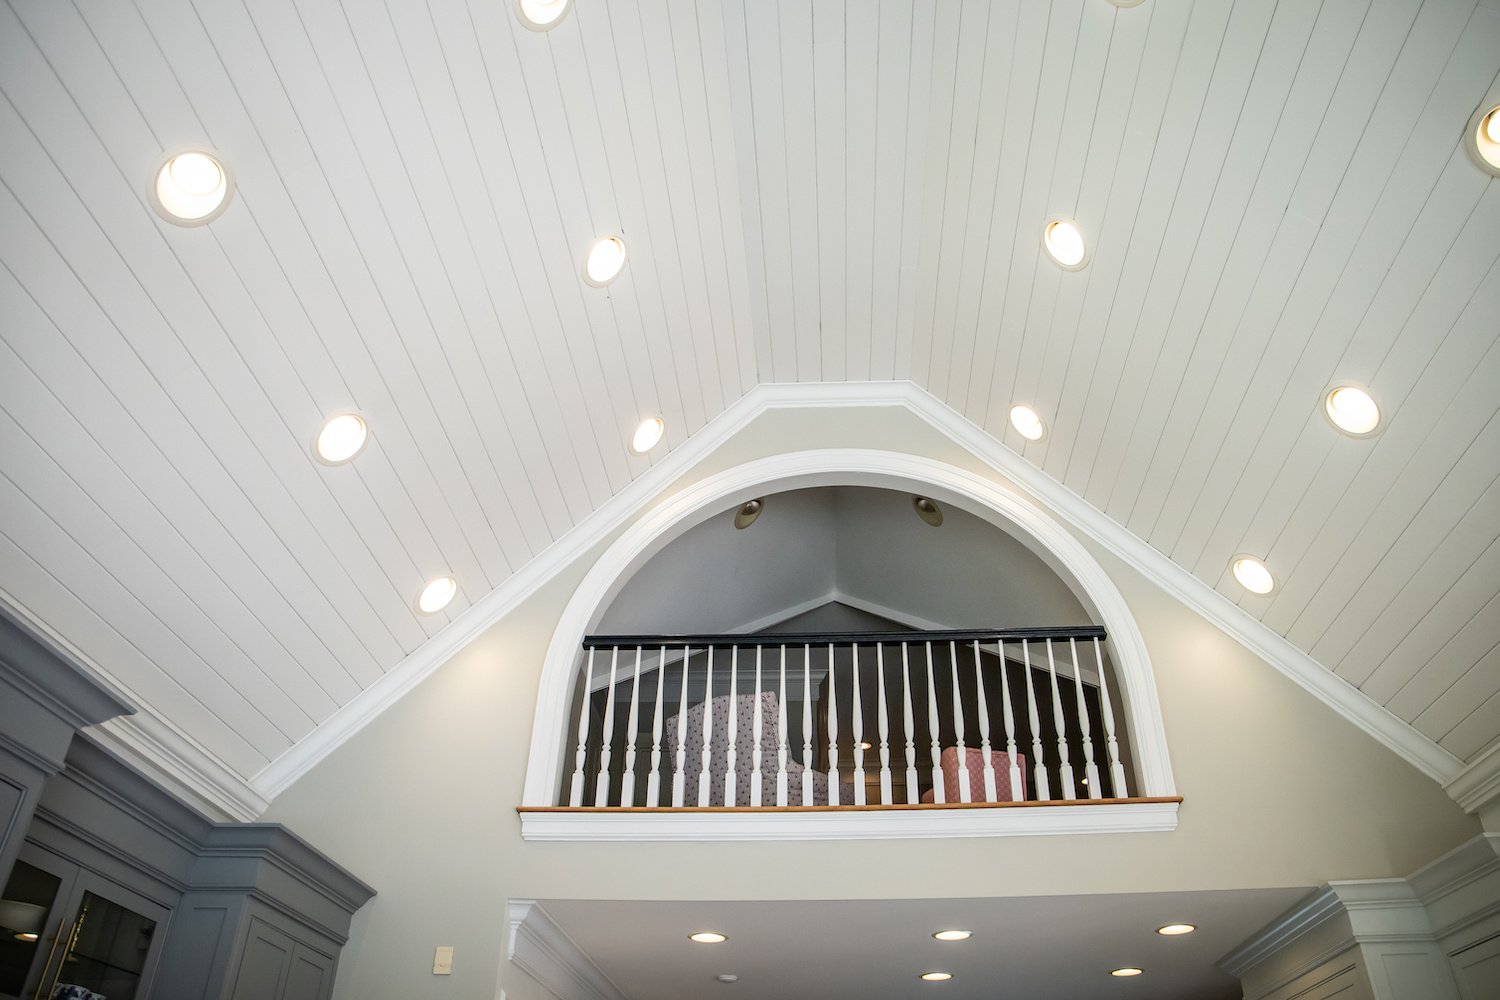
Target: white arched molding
1001	505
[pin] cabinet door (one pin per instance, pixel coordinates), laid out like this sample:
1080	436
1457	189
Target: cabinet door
34	919
311	975
265	964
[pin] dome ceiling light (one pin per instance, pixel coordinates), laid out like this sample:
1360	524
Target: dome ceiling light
1352	410
928	511
436	595
1063	240
648	435
342	437
191	188
542	15
1027	422
605	261
748	512
1253	575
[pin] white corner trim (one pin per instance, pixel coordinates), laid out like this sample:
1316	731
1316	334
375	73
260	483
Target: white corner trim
833	824
1478	784
543	950
999	504
1303	918
180	766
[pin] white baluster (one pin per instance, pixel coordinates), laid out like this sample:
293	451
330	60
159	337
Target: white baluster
708	729
755	732
730	784
781	735
912	794
939	792
807	703
1090	770
575	794
1064	769
884	723
1043	790
679	776
859	730
965	793
833	735
1010	730
653	782
627	783
984	729
1116	771
601	782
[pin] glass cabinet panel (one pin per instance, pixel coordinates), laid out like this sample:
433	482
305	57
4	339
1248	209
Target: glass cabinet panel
28	897
107	954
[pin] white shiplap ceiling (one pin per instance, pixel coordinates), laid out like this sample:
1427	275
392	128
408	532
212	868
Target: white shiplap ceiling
1276	195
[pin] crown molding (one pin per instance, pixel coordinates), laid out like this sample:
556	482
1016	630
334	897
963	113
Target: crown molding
543	950
1478	784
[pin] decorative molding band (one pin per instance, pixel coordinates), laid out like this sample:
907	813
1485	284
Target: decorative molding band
543	951
1314	911
1478	784
181	766
836	824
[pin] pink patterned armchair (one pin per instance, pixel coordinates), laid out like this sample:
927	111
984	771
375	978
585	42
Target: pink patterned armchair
744	747
974	761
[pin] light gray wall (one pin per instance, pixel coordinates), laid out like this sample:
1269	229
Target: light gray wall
1279	790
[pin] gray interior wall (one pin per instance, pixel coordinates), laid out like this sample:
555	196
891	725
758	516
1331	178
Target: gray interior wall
1279	790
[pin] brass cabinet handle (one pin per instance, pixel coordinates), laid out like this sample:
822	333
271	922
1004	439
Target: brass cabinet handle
57	976
56	939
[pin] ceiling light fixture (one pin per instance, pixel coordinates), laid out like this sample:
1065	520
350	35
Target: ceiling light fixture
1027	422
436	595
647	435
727	977
954	935
937	977
1173	930
26	936
605	261
1484	139
1063	240
341	438
1352	410
748	512
542	15
1125	972
190	187
1252	574
928	511
708	937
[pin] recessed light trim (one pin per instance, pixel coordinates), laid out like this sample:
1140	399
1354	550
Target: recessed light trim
1352	410
341	438
1126	972
648	435
1063	240
605	261
708	937
953	935
1252	574
190	187
928	511
1027	422
1175	930
936	977
1483	140
542	15
437	595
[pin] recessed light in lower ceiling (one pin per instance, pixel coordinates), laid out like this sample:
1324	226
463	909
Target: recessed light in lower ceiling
542	15
1064	243
1484	138
647	435
1125	972
937	977
708	937
1027	422
953	935
605	261
342	437
191	187
1253	575
1173	930
436	595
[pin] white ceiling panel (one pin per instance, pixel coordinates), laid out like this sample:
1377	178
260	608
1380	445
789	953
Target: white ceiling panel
1275	197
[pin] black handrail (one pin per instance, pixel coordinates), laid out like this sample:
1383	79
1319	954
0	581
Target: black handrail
841	638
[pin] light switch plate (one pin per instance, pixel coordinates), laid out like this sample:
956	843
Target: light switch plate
442	961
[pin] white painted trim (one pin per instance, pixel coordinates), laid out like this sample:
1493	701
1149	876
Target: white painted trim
1478	784
543	950
180	766
1306	916
834	824
1000	505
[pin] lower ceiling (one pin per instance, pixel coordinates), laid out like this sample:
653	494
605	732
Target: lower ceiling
1275	197
1040	948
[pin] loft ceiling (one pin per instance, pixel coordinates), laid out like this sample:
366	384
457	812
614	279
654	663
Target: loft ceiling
1275	196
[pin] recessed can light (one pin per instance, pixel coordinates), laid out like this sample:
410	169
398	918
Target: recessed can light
341	438
190	187
708	937
1483	139
937	977
436	595
748	513
542	15
1123	973
1352	410
647	435
1173	930
1027	422
605	261
954	935
1253	575
1064	243
928	511
27	936
727	977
